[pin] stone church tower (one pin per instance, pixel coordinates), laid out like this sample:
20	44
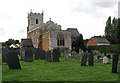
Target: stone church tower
34	20
47	35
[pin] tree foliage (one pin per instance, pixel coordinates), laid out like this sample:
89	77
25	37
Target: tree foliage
9	42
79	43
112	30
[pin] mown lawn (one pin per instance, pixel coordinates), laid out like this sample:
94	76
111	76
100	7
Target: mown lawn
70	70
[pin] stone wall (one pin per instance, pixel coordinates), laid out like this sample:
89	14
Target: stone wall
53	39
45	41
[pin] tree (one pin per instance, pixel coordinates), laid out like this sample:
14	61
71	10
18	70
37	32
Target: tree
108	29
79	43
118	31
9	42
111	30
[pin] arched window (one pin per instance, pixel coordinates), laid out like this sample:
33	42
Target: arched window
60	40
36	21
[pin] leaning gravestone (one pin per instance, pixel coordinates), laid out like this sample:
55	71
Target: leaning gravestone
12	60
90	59
114	63
55	55
84	59
28	55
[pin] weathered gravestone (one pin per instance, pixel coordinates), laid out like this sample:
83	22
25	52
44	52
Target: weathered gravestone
28	57
25	44
105	60
90	59
12	60
114	63
84	59
55	55
66	54
48	56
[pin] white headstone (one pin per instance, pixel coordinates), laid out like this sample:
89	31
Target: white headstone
105	60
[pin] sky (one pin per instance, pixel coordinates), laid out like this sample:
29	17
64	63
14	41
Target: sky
88	16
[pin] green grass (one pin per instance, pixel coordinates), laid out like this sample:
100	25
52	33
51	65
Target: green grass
70	70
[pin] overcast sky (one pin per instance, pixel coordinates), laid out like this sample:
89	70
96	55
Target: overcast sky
88	16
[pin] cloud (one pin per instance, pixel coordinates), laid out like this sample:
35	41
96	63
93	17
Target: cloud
104	4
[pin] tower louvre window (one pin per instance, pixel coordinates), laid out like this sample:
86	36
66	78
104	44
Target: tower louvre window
36	21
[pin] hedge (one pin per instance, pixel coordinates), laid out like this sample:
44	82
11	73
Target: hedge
106	48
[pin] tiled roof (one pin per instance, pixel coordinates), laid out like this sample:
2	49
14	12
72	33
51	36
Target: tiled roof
101	40
74	32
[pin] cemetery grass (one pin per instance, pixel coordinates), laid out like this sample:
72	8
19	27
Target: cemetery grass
70	70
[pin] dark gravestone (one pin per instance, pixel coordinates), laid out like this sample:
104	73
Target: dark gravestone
55	55
12	60
37	53
84	59
58	51
4	52
28	55
90	59
42	54
115	63
48	56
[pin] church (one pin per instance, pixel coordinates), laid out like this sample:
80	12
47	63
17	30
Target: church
49	35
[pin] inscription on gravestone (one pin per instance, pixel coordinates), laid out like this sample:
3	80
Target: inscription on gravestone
12	60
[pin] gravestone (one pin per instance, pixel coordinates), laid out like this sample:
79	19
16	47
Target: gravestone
66	55
12	60
4	52
84	58
115	63
37	53
105	60
48	56
28	55
98	56
75	54
55	55
58	51
90	59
